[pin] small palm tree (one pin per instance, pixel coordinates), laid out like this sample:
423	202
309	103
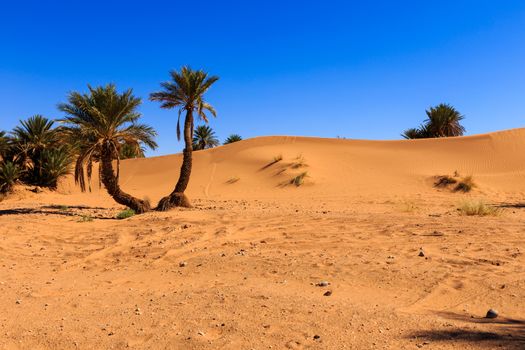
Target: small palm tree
32	137
233	138
204	137
416	133
9	175
444	121
99	123
185	91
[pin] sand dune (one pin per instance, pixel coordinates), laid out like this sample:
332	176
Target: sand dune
239	271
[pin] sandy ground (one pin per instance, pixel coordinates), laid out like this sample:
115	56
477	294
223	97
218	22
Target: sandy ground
241	270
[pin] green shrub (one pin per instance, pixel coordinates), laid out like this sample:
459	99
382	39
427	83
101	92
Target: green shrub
9	175
126	213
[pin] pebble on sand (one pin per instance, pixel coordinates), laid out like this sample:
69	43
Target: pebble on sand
492	314
327	293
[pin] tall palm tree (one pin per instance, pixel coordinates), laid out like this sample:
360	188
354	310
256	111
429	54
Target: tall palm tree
184	91
444	121
204	137
99	123
233	138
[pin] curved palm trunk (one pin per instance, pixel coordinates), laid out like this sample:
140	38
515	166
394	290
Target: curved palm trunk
177	198
110	181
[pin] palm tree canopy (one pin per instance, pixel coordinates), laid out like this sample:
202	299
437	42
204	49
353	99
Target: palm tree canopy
34	135
444	121
4	144
233	138
103	118
204	137
186	91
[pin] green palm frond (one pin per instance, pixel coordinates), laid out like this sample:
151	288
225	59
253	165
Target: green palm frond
204	137
233	138
102	119
186	91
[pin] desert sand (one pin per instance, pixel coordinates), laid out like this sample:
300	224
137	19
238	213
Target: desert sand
246	267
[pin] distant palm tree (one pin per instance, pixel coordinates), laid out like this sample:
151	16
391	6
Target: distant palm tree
204	137
444	121
185	91
99	123
232	138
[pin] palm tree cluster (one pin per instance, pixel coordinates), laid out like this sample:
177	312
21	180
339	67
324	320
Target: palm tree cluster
103	127
34	153
442	121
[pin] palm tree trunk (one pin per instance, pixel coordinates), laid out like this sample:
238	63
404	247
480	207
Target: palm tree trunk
177	198
110	181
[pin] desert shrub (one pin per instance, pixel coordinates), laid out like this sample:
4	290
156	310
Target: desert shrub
126	213
299	179
275	160
477	207
465	185
9	175
444	181
298	162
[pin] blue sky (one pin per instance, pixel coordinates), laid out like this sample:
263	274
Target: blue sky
356	69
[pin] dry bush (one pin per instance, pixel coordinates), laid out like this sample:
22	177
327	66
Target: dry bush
444	181
478	208
465	185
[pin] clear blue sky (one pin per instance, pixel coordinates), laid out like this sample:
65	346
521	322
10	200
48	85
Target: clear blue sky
357	69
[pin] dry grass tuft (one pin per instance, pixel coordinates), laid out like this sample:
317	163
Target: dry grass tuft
478	208
298	162
299	179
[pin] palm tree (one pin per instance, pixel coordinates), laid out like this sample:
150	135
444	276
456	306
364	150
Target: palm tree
32	137
4	144
184	91
233	138
444	121
204	137
99	123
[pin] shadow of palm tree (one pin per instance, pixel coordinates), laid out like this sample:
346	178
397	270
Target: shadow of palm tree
499	333
73	211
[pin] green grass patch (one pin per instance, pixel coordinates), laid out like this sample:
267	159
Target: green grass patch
299	179
125	214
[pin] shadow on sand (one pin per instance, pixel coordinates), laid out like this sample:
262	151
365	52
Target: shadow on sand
499	333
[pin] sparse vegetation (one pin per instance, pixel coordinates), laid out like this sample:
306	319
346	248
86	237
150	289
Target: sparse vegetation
465	185
276	159
126	213
478	208
299	179
298	162
63	207
85	218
